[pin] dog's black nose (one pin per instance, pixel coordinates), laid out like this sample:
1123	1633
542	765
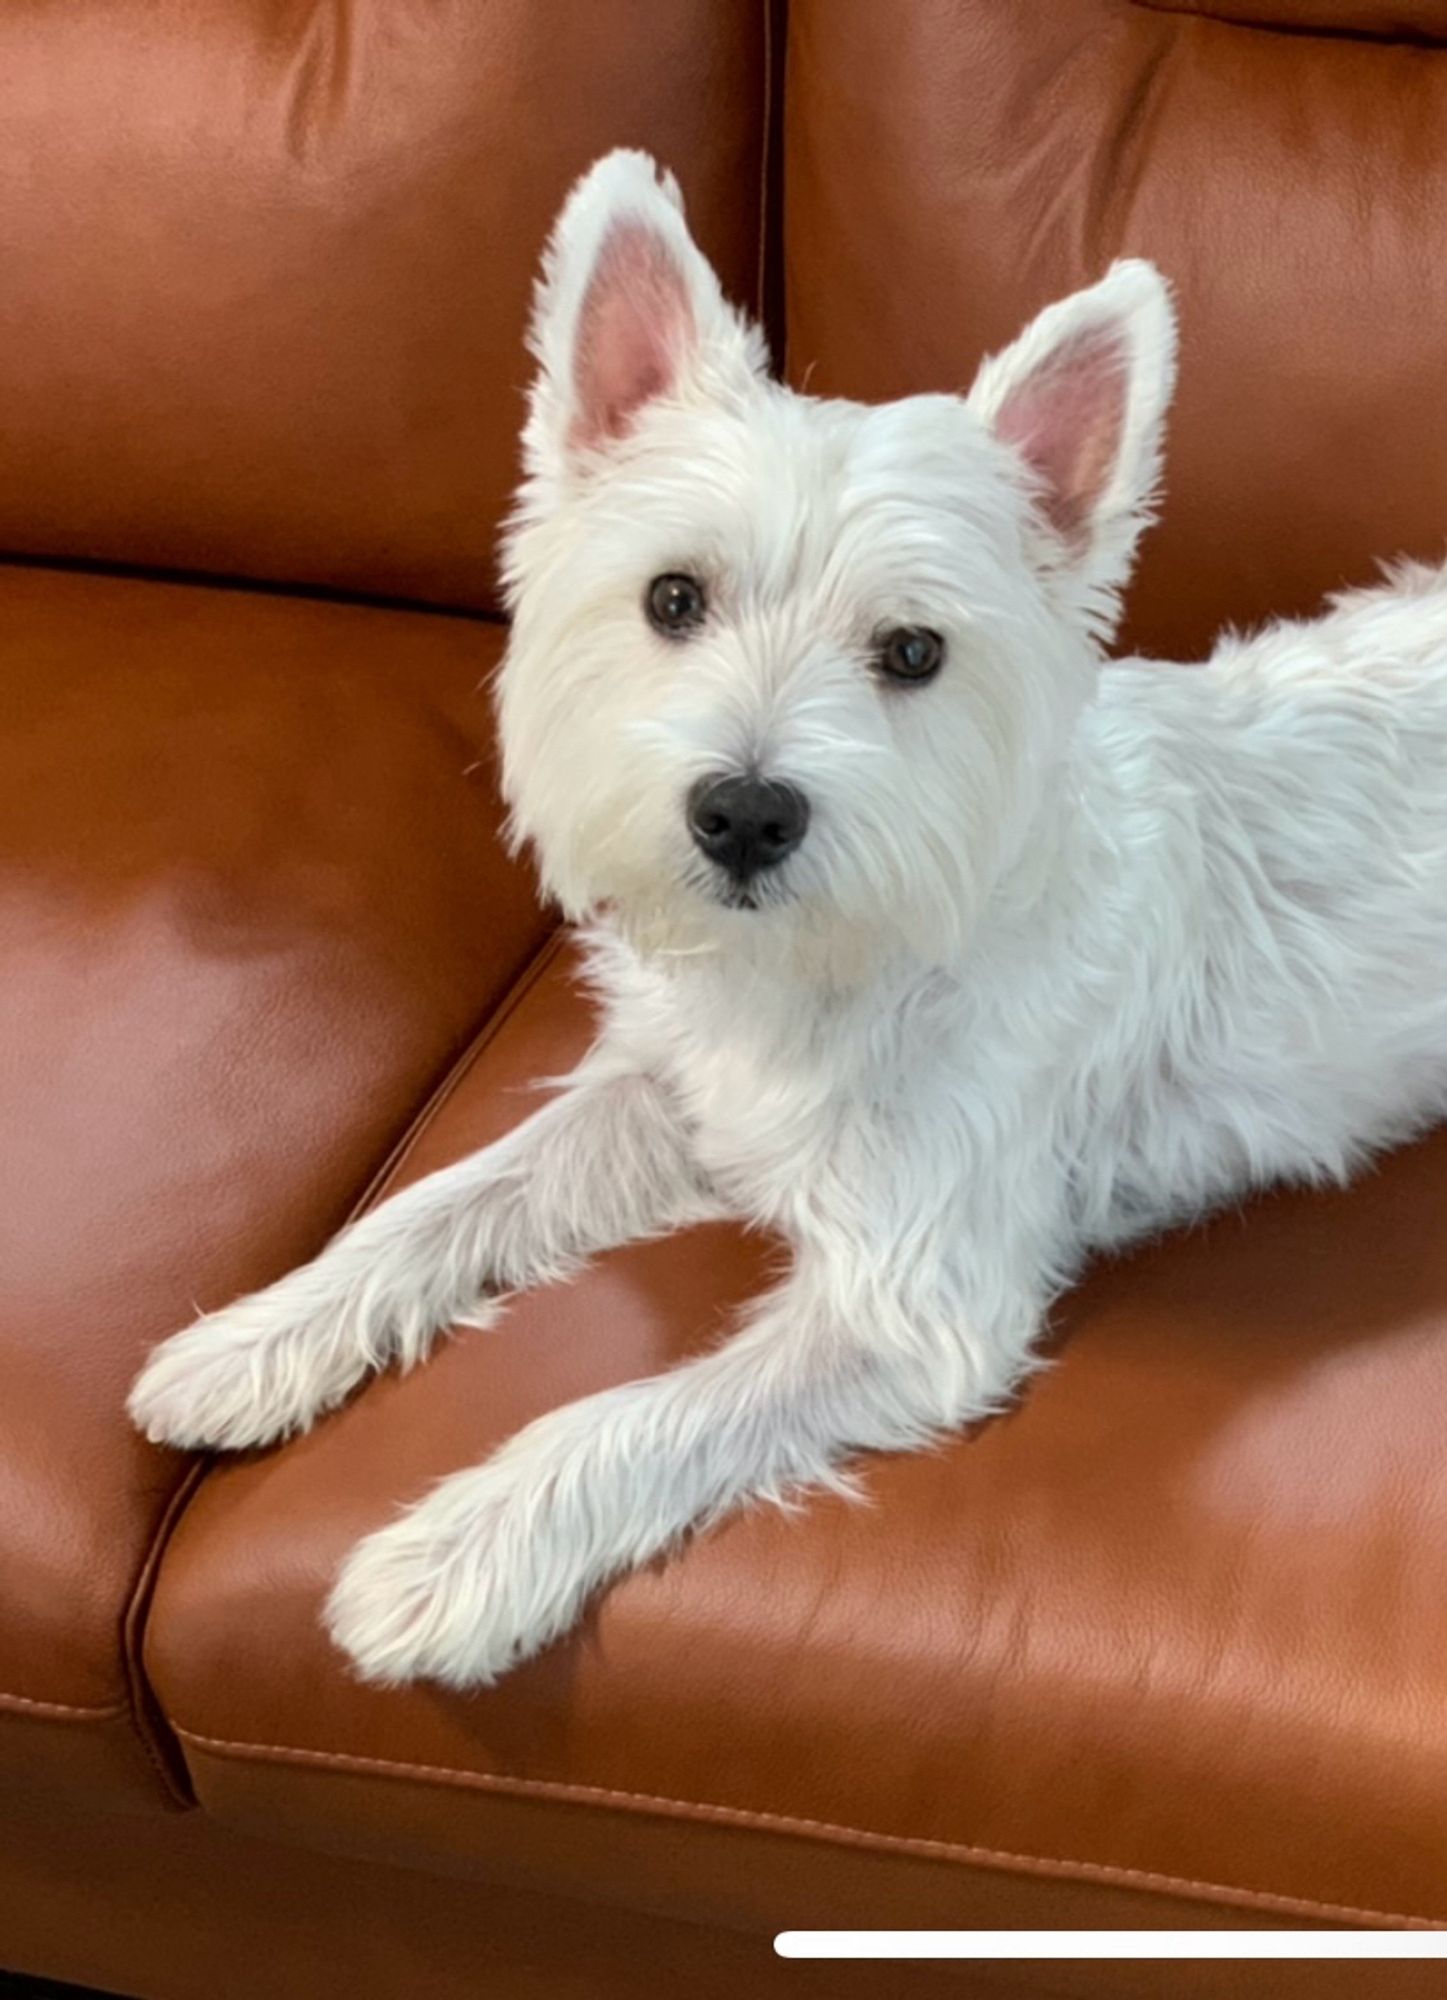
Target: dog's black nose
745	824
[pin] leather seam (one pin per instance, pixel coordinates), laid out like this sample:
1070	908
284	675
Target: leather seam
765	164
147	1720
136	1623
1182	11
64	1711
526	980
1107	1873
239	583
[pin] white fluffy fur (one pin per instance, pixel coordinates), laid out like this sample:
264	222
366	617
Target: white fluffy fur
1070	950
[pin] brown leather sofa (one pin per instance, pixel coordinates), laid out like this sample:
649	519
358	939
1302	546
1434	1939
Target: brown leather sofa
1167	1646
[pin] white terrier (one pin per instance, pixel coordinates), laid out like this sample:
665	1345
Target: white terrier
922	937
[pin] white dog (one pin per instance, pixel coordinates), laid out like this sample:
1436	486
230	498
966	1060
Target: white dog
922	936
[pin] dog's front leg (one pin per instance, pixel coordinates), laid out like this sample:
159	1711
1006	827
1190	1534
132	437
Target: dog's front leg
604	1162
499	1560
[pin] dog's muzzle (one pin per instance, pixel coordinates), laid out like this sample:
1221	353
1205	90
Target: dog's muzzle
745	825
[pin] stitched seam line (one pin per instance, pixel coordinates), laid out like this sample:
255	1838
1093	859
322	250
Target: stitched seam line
64	1711
549	1788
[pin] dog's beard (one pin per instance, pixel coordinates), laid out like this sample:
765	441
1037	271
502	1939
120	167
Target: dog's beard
763	894
786	934
702	911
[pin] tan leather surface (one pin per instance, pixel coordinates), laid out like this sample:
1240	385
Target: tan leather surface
100	1754
733	1870
182	1909
953	165
251	905
1389	20
266	263
1178	1627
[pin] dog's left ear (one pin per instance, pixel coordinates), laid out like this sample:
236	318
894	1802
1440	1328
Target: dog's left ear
628	311
1082	397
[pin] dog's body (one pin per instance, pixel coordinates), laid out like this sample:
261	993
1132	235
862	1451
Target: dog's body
1005	955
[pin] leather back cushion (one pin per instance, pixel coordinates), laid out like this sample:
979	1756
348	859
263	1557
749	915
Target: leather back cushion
266	263
955	164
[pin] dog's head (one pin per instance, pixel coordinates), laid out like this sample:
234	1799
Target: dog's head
785	669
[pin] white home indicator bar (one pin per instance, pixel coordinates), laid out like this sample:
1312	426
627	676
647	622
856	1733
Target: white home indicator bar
1112	1944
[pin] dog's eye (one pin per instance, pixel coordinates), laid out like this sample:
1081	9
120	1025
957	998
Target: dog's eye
911	653
676	605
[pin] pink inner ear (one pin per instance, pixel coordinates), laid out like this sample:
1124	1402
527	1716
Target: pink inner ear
634	325
1067	419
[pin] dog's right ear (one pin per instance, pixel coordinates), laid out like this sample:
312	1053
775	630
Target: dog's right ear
627	311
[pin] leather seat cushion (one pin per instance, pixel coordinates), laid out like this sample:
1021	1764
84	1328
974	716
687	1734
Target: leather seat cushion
252	903
1172	1634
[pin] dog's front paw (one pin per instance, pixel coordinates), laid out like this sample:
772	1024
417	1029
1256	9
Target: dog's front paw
466	1585
273	1363
237	1378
